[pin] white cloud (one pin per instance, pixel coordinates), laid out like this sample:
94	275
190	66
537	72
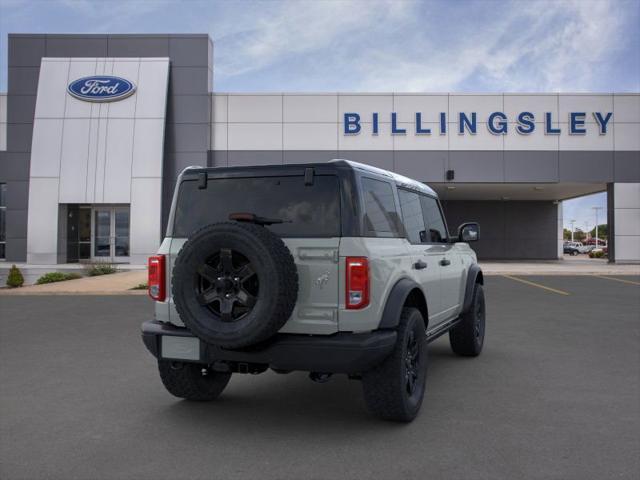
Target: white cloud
533	46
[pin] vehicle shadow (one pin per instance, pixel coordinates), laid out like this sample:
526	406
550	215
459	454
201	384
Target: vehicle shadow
270	403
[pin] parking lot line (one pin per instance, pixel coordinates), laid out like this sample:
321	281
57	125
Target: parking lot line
534	284
631	282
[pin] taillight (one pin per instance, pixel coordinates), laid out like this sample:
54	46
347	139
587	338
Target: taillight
156	281
357	284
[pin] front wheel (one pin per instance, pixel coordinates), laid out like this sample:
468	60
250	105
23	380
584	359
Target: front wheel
467	337
192	381
394	390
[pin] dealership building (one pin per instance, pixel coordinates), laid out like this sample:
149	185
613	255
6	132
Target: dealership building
95	129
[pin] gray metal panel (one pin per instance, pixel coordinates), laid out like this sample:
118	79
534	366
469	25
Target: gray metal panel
187	137
611	223
17	195
218	158
531	166
188	80
531	230
16	223
22	108
188	109
26	50
16	250
426	166
306	156
76	46
189	51
508	230
586	166
15	166
19	137
138	46
174	163
626	166
477	165
23	81
251	157
490	216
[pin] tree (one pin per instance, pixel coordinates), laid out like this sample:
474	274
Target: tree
579	235
603	231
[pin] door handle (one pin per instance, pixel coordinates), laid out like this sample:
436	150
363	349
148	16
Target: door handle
419	265
444	262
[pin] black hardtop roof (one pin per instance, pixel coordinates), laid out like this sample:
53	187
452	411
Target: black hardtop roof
320	168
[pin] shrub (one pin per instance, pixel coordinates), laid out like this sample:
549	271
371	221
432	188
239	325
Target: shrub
15	278
100	269
596	254
52	277
140	286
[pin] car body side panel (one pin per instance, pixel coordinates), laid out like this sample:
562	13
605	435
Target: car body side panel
389	261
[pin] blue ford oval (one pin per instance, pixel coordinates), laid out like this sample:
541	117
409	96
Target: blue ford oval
101	88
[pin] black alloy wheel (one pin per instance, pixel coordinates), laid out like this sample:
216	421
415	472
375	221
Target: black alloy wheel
227	285
412	363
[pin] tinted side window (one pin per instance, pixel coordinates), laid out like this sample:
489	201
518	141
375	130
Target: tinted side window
412	216
437	232
380	214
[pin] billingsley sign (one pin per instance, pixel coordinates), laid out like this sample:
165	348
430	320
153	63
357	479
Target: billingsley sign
101	88
497	123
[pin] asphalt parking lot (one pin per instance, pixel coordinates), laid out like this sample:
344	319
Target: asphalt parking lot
555	394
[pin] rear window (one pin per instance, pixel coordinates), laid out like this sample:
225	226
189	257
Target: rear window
308	210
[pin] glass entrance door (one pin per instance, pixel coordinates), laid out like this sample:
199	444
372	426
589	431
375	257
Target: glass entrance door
111	234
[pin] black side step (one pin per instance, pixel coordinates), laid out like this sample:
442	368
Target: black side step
441	329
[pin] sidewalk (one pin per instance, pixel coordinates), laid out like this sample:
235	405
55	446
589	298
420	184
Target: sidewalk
567	266
113	284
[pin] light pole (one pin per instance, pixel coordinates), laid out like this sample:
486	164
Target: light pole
572	222
596	209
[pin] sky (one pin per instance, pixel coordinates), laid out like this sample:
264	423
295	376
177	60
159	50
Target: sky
377	45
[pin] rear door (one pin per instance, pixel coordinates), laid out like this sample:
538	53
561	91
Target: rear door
451	267
426	258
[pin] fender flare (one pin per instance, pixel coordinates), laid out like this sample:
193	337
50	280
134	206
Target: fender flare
473	276
395	302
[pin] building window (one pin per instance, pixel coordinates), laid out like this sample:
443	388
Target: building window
3	216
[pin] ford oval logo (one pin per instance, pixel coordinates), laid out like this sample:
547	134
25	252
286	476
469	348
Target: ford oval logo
101	88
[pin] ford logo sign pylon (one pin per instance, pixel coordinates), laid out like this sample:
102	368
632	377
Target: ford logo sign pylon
101	88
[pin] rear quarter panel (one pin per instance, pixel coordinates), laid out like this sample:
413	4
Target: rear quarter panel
389	261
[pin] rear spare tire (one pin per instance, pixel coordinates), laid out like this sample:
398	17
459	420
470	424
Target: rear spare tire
234	284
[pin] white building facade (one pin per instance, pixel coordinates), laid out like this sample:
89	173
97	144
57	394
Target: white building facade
91	178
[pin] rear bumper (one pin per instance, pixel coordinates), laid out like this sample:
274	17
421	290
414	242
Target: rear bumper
343	352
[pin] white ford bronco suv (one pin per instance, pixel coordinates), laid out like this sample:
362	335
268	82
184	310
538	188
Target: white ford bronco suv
329	268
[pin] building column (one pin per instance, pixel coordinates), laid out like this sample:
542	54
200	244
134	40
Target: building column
560	236
623	209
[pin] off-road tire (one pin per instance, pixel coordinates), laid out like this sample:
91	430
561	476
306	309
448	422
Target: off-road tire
277	278
192	381
467	337
385	386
